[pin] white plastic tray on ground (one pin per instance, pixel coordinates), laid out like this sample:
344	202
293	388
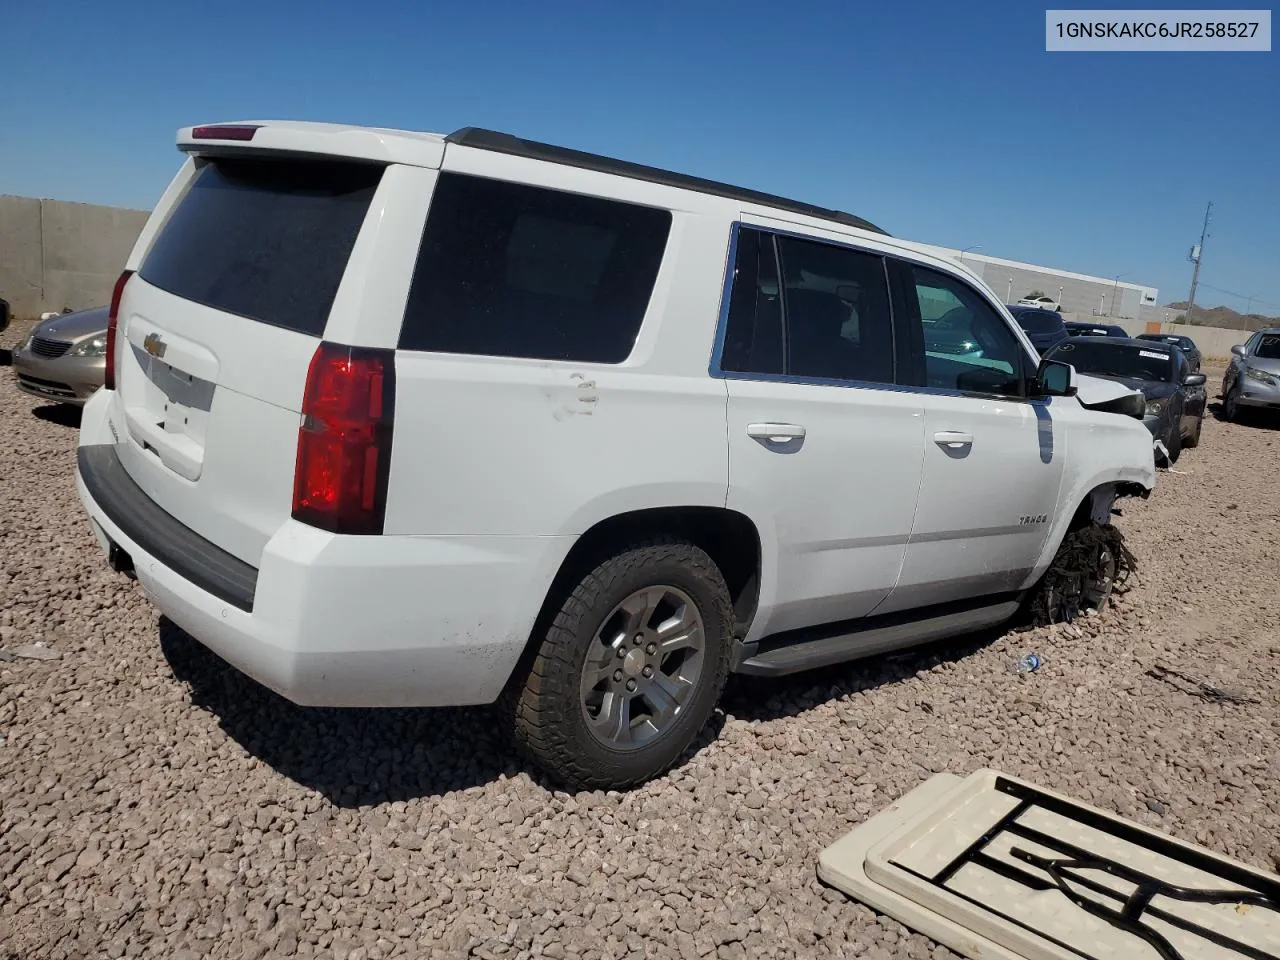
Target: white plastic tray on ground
966	861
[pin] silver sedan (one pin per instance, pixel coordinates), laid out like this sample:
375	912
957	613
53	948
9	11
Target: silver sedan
65	358
1253	378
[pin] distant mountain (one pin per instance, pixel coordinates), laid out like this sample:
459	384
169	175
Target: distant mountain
1224	317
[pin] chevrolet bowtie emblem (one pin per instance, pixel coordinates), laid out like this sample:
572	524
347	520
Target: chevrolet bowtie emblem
154	345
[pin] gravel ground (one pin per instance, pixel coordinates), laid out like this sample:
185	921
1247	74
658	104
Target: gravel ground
155	803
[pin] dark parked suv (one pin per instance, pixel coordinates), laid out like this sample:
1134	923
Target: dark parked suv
1044	327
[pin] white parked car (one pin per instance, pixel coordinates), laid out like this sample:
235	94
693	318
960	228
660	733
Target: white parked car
1044	303
397	419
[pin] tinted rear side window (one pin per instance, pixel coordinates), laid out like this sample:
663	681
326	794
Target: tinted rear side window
511	270
264	239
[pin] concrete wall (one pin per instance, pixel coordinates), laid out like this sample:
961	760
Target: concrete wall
56	255
21	255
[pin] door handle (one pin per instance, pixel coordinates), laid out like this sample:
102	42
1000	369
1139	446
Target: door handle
953	439
775	432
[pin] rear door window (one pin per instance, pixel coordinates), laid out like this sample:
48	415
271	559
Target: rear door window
512	270
836	309
827	318
266	239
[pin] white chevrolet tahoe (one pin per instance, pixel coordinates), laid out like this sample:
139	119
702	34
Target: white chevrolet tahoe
398	419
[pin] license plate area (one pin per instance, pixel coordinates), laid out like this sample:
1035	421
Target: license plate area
168	413
179	403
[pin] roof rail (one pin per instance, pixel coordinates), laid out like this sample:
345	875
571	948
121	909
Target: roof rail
481	139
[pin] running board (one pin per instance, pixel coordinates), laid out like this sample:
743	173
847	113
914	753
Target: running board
792	653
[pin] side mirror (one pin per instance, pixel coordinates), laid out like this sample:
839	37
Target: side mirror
1238	349
1194	380
1055	379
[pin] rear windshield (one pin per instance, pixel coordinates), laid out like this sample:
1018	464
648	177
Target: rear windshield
1116	360
1183	342
512	270
1034	322
264	239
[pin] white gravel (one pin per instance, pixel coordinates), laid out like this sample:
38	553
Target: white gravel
153	802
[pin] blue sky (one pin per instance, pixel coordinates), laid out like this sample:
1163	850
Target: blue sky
942	122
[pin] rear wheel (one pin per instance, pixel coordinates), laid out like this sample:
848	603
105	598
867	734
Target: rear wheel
1092	563
629	670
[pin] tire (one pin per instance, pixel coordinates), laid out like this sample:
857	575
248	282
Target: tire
610	735
1194	439
1091	563
1231	404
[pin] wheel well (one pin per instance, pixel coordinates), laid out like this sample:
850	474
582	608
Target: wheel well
728	537
1097	503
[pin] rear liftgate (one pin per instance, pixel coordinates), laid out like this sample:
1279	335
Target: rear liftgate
994	867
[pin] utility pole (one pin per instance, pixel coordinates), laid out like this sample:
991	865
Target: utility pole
1197	253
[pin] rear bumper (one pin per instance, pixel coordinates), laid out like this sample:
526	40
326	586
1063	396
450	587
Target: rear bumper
329	620
62	380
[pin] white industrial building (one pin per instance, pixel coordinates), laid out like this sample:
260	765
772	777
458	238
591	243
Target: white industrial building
1078	293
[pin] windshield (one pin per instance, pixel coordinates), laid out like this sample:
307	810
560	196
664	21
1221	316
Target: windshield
1269	347
1116	360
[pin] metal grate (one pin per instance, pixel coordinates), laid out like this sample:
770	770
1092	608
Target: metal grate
49	349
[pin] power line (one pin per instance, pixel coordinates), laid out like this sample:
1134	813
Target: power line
1241	296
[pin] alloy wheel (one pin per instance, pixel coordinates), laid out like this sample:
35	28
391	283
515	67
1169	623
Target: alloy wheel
642	667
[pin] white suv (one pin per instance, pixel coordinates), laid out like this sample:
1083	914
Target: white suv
396	419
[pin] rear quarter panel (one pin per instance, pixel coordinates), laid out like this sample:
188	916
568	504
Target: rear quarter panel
517	447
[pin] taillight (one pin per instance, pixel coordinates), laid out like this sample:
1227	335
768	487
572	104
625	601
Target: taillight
344	442
113	321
